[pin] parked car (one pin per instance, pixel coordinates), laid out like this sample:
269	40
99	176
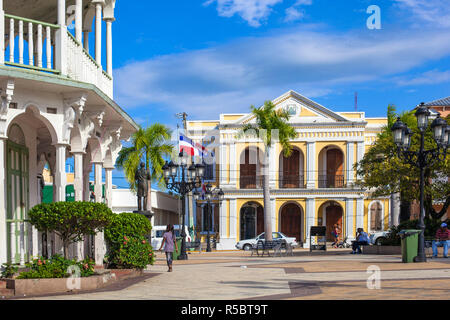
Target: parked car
158	232
249	243
377	237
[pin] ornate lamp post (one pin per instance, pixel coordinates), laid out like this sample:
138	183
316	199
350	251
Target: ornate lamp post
176	180
215	194
422	158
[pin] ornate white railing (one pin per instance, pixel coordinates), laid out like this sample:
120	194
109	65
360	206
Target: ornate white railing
45	47
36	37
82	67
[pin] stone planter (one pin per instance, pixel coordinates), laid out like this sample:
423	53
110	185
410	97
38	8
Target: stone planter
382	250
39	287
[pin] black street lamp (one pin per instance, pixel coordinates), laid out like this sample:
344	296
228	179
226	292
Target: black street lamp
183	185
215	194
422	158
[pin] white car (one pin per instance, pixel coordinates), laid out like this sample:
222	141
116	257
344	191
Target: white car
158	232
249	243
377	237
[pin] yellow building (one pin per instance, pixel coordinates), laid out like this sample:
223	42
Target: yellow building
312	187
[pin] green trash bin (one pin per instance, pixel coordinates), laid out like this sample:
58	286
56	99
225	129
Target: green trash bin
410	243
175	253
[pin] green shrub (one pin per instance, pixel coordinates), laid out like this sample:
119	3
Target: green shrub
70	220
8	270
56	267
132	253
128	225
128	247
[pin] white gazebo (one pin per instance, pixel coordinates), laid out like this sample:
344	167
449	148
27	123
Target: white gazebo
56	102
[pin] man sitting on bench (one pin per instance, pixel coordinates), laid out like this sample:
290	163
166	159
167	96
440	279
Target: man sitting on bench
362	239
442	240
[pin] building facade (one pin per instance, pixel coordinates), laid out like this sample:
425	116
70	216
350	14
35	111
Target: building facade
56	103
314	186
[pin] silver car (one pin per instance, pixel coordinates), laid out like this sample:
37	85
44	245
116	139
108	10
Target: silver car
248	244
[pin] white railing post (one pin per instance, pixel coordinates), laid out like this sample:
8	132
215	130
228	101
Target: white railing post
39	46
48	36
2	33
20	41
61	39
11	40
30	44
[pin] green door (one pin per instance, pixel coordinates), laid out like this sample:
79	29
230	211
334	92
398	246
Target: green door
18	231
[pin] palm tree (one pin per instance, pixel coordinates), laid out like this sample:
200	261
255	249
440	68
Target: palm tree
269	122
148	145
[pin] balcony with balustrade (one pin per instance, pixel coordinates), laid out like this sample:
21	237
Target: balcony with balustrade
51	37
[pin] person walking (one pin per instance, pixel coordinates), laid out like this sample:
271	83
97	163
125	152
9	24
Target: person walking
169	242
335	233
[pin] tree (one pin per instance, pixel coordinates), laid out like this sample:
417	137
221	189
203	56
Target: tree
384	173
70	220
148	145
271	126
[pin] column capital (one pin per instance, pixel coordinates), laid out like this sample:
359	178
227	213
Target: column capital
109	168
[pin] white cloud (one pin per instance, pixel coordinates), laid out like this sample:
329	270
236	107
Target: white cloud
252	11
426	78
433	12
231	77
295	13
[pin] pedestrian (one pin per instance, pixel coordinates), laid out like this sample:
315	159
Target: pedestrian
362	239
335	233
169	242
442	240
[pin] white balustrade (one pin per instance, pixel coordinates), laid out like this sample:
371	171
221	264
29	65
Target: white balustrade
32	31
80	65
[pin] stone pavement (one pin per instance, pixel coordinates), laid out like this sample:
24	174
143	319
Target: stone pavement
236	275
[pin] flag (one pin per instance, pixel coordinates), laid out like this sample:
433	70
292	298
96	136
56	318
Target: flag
192	148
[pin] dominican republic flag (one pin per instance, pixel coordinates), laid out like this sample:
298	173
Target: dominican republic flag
192	148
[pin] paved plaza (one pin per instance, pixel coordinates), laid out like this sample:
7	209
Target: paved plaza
238	275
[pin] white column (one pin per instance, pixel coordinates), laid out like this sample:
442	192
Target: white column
223	164
310	218
98	33
59	184
109	67
233	164
78	179
78	20
2	35
60	173
310	165
359	152
3	236
223	220
349	213
99	239
360	213
233	219
108	186
61	39
274	214
98	190
350	161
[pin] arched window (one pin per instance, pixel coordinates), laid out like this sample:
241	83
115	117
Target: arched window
376	216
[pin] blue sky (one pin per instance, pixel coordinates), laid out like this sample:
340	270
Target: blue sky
207	57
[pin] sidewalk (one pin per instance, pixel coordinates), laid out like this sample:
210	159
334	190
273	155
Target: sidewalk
331	275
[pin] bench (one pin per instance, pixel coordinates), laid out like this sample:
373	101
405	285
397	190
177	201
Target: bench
263	247
193	244
429	246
